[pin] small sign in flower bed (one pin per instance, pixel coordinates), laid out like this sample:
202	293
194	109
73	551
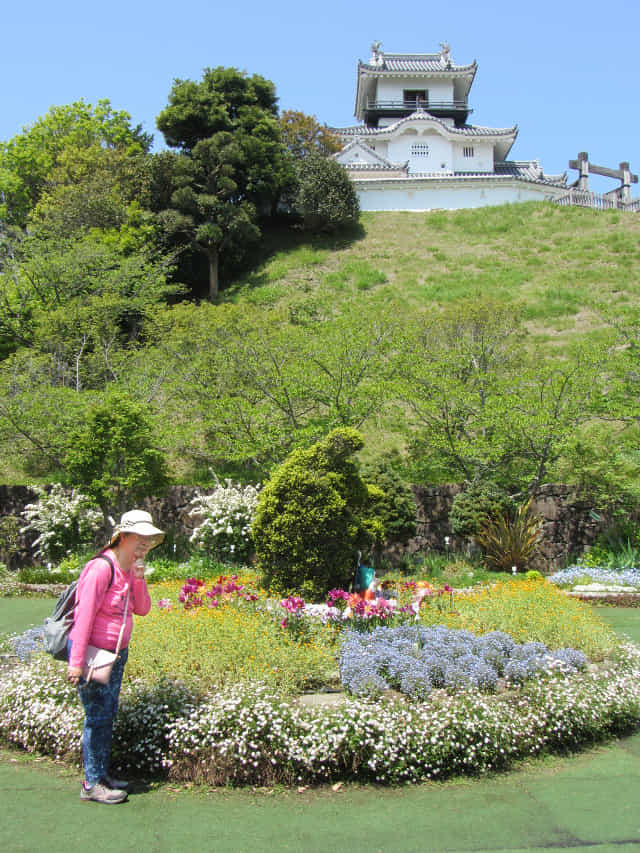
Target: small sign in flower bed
212	693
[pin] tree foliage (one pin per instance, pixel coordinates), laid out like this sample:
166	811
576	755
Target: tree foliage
478	409
29	158
113	456
231	162
304	136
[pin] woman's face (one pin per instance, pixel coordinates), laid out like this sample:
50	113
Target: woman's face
135	547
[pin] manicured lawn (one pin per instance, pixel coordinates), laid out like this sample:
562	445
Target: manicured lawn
18	614
623	620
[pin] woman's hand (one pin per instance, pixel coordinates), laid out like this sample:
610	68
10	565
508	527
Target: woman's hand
138	569
74	674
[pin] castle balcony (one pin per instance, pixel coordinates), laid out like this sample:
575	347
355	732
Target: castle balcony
459	111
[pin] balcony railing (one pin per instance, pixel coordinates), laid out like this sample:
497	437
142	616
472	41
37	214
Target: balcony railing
429	106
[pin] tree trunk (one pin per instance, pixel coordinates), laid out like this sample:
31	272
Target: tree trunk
212	254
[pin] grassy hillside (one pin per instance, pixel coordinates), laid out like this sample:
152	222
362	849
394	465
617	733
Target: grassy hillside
562	266
284	355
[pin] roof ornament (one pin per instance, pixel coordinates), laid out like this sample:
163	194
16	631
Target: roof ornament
377	57
445	53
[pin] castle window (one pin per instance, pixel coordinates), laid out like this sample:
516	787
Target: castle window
467	151
420	149
415	97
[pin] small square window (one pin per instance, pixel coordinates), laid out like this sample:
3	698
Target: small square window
467	151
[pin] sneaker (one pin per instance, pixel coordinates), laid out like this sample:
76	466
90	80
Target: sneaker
117	784
100	793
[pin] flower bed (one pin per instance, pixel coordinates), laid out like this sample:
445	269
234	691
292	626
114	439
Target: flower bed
211	688
580	573
416	660
248	734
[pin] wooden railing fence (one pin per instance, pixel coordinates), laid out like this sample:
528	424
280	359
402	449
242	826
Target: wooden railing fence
582	198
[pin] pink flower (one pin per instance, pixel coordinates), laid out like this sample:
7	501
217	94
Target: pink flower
336	596
292	604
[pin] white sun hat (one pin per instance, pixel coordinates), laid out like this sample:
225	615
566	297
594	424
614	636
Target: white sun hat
140	522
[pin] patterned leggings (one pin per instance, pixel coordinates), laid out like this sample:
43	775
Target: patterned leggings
100	708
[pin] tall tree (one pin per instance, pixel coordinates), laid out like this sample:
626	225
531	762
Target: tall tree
231	161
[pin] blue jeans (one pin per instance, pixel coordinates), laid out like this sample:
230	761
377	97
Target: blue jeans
100	708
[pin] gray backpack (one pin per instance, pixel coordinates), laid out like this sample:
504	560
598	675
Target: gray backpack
57	627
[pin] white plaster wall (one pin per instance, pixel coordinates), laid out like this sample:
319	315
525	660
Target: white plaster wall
390	89
482	160
446	197
356	155
381	147
440	156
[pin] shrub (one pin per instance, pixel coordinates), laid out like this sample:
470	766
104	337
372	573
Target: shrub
394	505
224	521
63	522
9	538
310	520
325	197
480	503
510	539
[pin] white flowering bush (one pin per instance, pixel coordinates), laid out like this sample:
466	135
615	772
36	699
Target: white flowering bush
63	522
248	734
40	711
223	521
145	713
251	736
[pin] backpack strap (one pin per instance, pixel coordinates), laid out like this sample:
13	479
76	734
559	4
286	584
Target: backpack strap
110	561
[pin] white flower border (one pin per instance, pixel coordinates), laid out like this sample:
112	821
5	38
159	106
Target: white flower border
247	734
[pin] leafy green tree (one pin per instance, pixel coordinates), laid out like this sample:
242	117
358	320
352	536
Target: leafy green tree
453	374
325	197
37	414
310	519
86	282
232	159
113	456
30	157
95	187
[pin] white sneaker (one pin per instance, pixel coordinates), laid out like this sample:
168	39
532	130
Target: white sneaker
100	793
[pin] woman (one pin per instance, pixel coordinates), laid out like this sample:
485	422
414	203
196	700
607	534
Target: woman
100	612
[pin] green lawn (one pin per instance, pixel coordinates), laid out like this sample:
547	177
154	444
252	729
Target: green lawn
18	614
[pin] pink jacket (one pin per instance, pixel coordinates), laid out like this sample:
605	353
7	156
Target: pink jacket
100	607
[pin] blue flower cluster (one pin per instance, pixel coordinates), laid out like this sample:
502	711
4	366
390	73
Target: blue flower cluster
597	574
25	644
415	660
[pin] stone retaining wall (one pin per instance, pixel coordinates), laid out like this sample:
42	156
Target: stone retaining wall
569	524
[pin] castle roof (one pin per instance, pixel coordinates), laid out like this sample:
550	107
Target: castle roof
504	136
416	63
528	171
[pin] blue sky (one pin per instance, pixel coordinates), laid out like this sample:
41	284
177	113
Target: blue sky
565	72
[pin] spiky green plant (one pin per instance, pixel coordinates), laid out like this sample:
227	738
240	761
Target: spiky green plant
510	539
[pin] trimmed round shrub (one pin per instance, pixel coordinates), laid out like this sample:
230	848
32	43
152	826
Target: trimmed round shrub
310	519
